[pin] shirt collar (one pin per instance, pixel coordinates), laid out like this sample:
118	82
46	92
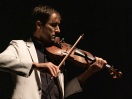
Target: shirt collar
38	44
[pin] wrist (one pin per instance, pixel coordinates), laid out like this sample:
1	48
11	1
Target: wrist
34	65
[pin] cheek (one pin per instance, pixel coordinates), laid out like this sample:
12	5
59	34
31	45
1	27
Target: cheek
49	30
46	34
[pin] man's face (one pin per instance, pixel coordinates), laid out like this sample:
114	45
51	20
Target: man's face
49	30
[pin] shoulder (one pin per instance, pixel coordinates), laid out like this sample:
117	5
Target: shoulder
17	42
21	42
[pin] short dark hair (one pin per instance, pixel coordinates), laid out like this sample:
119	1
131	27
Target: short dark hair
42	13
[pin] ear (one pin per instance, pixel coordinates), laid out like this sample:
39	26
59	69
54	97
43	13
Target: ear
38	24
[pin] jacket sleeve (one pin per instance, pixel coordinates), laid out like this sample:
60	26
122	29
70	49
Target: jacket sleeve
72	87
11	62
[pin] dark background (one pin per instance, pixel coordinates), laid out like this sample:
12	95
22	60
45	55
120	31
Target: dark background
107	28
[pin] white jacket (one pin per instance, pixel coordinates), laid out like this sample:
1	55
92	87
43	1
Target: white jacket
18	59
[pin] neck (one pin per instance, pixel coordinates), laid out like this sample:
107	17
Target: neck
45	43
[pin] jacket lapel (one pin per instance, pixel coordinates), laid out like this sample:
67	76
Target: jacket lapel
32	51
34	57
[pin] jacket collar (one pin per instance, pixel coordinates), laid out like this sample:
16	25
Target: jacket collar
32	50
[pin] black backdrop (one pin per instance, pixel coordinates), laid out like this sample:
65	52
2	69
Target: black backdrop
107	28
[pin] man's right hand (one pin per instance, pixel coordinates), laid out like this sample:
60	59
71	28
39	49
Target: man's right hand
47	67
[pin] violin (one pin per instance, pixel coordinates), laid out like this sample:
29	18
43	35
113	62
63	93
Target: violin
62	50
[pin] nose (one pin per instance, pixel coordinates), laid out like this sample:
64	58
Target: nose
57	29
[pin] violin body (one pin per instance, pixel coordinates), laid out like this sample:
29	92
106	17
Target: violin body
79	57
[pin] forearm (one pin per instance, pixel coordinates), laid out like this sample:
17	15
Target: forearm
93	68
85	75
13	65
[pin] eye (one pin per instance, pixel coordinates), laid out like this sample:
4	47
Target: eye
53	24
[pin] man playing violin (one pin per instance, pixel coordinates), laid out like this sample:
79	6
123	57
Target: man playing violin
34	74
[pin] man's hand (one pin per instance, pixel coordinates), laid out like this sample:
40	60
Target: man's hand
47	67
93	68
97	65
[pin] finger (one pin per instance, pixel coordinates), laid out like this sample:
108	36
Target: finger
55	70
98	60
52	72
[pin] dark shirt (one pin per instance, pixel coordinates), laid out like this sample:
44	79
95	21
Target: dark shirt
50	88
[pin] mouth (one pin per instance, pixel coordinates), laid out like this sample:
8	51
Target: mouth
53	37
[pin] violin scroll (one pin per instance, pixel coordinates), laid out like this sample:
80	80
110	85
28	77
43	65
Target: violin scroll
113	72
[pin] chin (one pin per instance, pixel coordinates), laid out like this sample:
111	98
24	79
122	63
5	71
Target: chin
51	41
